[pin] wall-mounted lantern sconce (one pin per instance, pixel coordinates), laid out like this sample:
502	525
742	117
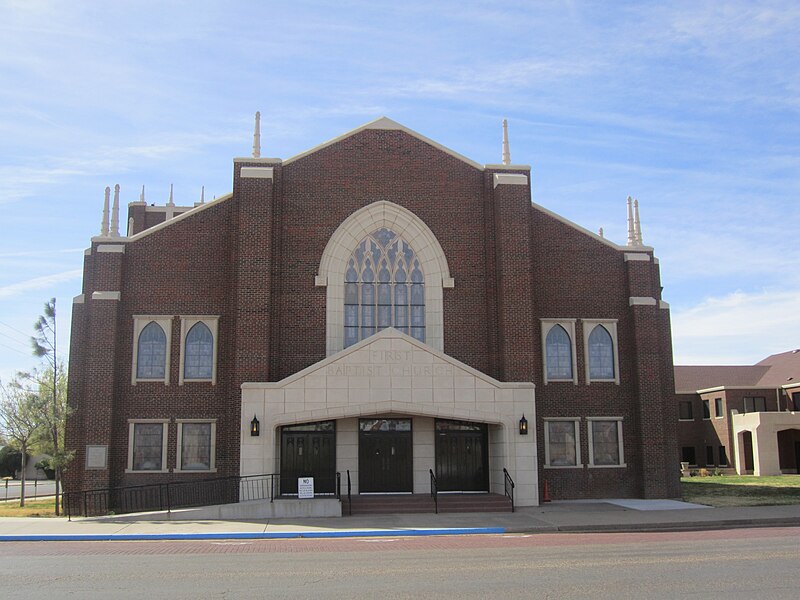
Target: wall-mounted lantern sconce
254	427
523	426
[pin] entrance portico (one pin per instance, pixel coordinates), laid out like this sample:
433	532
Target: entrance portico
399	408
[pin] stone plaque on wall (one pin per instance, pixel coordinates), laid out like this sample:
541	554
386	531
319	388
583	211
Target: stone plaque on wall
96	458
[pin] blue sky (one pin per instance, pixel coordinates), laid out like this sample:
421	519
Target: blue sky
692	107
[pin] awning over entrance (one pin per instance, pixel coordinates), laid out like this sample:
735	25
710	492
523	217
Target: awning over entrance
392	375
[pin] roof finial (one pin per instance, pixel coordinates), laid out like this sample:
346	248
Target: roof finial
141	196
600	232
104	222
115	213
631	234
506	151
257	137
637	226
171	201
203	195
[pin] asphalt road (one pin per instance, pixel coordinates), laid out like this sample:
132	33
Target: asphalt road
44	487
731	564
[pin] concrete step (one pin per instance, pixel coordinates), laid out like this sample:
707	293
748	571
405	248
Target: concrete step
423	503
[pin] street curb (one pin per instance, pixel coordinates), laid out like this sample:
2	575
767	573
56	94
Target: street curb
664	526
264	535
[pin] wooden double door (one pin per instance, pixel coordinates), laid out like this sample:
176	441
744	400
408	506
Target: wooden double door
385	457
462	456
309	450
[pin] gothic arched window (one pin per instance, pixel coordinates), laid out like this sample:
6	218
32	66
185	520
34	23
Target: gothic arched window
601	354
384	286
151	352
558	354
199	357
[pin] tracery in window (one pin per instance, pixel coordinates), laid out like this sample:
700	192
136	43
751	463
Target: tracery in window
384	287
558	354
151	352
601	354
199	357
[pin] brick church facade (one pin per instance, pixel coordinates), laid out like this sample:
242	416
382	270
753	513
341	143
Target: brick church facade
380	305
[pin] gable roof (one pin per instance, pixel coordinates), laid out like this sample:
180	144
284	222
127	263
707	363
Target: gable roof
772	372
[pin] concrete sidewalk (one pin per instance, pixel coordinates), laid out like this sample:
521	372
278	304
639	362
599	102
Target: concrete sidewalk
575	516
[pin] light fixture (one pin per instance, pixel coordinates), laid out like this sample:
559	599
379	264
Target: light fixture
254	427
523	425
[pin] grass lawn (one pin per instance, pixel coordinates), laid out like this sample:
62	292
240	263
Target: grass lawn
741	490
33	508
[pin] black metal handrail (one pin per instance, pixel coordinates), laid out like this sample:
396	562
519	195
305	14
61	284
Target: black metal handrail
509	487
349	494
338	486
434	491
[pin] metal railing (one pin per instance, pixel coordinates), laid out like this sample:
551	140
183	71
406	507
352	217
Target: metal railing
434	491
509	487
349	494
188	494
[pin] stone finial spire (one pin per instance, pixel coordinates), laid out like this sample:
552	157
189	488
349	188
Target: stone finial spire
141	196
600	232
115	214
203	195
171	201
631	234
506	151
257	137
637	226
104	222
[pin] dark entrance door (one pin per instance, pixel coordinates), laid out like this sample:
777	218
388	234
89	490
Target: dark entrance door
462	456
797	457
309	450
384	456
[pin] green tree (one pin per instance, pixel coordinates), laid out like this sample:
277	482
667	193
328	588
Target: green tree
52	383
20	422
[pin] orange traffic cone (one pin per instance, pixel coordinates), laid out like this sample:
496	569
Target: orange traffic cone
545	494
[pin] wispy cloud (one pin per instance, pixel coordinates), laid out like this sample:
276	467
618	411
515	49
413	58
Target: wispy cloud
39	283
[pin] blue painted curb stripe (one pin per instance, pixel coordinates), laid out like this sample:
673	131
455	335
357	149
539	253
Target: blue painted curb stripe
105	537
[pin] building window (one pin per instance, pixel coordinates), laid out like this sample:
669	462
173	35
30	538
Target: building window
605	442
147	445
384	287
709	456
562	443
718	408
196	445
198	349
602	359
558	345
688	455
151	348
706	409
685	411
755	404
723	457
796	401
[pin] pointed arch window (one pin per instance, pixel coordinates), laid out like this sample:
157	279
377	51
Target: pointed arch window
384	286
151	352
601	354
558	354
199	359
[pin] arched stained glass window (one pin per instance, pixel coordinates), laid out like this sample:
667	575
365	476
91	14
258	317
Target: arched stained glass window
151	356
384	286
559	354
601	354
199	353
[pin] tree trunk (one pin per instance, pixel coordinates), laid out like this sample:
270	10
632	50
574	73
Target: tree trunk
58	483
22	477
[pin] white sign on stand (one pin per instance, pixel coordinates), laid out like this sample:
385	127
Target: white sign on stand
305	487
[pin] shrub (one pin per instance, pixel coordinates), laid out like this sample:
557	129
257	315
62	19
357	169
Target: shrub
10	461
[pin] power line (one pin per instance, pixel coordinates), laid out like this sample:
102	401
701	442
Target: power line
15	340
27	335
17	351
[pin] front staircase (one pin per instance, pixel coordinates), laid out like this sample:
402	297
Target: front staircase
423	503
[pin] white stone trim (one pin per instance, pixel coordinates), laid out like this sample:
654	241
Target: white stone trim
569	327
213	454
502	167
642	301
139	323
106	295
95	449
164	442
256	172
663	305
350	233
578	458
636	256
79	299
187	322
610	326
87	252
509	179
175	219
113	248
387	124
620	442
